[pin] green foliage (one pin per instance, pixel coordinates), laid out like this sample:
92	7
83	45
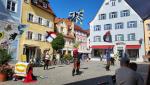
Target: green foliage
58	42
68	57
4	56
76	45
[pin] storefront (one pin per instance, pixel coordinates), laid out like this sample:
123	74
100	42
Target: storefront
100	50
133	51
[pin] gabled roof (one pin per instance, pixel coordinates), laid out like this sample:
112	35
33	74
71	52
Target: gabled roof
40	5
78	28
67	21
142	7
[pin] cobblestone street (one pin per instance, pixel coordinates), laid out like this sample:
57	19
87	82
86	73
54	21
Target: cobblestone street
91	73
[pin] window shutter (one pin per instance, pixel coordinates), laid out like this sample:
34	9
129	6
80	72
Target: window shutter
35	19
28	16
43	38
43	21
33	36
26	34
50	24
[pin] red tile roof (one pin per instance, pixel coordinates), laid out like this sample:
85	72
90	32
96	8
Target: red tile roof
78	28
40	5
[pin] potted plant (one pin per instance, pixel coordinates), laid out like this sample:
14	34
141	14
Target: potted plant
5	69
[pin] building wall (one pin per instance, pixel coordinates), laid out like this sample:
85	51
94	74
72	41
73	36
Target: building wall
35	28
119	6
5	12
147	35
62	27
81	37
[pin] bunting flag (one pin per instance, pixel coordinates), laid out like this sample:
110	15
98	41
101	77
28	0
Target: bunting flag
107	37
76	16
50	36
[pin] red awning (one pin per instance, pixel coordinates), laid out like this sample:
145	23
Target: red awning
102	46
133	46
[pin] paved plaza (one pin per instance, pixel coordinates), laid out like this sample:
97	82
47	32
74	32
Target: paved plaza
92	72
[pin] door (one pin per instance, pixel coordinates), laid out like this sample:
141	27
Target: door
120	53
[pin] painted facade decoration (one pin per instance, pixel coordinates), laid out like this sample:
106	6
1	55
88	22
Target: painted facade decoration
10	19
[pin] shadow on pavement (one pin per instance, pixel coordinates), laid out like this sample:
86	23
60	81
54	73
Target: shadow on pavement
94	81
84	68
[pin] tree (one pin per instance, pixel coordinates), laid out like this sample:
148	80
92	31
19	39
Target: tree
58	42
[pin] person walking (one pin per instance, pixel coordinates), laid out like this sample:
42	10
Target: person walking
75	62
108	57
46	60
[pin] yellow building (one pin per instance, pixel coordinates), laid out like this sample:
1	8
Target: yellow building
39	17
66	27
147	35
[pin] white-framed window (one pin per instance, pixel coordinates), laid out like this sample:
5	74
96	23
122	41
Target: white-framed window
119	37
40	20
125	13
148	27
48	23
119	25
97	38
112	15
97	27
30	17
12	5
102	16
44	4
29	35
132	24
26	1
39	37
107	27
119	0
113	2
131	37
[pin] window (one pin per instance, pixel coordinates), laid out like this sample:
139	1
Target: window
47	24
97	39
40	37
119	26
113	2
113	15
30	17
132	24
107	27
97	27
119	0
11	5
149	40
131	37
148	27
30	34
40	20
102	16
119	37
44	4
125	13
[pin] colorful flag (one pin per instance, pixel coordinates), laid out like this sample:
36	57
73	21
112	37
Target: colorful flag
107	37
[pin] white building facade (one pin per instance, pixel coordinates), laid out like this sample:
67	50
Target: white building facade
125	27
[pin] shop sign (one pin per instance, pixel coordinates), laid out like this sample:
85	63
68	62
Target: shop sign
120	43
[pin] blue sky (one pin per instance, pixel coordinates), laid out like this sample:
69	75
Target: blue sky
62	8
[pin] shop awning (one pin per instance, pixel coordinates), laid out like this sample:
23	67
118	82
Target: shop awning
133	46
102	46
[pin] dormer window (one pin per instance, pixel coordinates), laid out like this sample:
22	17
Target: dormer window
34	1
44	4
113	2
